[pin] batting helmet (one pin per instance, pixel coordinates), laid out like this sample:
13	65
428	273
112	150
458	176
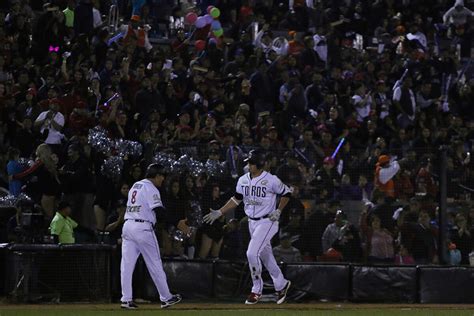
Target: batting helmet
256	157
155	169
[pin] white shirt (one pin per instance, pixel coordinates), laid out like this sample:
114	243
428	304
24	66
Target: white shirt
260	193
420	37
97	18
143	197
397	96
362	111
321	50
388	173
54	136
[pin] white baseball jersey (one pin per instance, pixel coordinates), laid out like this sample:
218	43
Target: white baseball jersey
260	193
143	197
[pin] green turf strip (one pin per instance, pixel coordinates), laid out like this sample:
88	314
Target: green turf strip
246	312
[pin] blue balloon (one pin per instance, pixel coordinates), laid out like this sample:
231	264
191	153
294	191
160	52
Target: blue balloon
200	22
216	25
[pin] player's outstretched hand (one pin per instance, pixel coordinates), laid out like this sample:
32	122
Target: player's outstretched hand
275	215
212	216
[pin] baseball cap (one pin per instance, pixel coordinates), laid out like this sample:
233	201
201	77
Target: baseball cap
383	160
244	106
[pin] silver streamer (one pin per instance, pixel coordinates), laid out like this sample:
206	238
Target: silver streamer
195	216
165	159
187	164
12	201
214	168
176	234
100	141
112	168
25	163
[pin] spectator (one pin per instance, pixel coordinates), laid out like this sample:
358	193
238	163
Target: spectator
462	238
212	235
285	252
289	172
176	207
379	243
404	257
457	15
315	226
13	167
84	17
386	169
423	240
332	86
326	177
116	219
50	123
334	232
75	180
43	179
425	182
62	226
405	103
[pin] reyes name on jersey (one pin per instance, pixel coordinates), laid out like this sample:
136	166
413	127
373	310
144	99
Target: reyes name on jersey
143	197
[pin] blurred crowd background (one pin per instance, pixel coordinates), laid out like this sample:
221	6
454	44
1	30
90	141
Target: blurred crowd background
354	102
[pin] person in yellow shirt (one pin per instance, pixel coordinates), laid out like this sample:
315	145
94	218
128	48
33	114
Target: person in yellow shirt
62	226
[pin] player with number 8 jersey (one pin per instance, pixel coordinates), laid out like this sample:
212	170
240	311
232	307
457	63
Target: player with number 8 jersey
138	237
259	190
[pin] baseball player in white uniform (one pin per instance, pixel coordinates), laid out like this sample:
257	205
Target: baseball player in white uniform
138	237
259	190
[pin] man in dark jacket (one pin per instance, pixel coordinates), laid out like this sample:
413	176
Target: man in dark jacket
83	18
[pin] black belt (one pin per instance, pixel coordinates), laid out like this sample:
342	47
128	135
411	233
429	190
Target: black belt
140	221
259	218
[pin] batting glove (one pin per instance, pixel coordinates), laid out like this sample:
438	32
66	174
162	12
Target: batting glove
212	216
275	215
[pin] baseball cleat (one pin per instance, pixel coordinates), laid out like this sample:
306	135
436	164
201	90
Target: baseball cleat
281	295
128	305
175	299
253	298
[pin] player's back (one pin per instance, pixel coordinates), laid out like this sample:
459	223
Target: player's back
141	199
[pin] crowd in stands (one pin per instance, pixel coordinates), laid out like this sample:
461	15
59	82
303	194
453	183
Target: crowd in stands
389	81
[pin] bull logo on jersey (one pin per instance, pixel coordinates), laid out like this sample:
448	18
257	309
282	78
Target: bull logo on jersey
264	182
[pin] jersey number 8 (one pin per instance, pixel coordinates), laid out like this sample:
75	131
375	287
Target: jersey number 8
134	195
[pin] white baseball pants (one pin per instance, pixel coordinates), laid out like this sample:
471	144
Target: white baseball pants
260	251
139	238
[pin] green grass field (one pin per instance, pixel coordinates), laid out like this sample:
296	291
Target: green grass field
239	309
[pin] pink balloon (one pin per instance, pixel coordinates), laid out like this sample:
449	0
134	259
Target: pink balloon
209	8
191	18
200	22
